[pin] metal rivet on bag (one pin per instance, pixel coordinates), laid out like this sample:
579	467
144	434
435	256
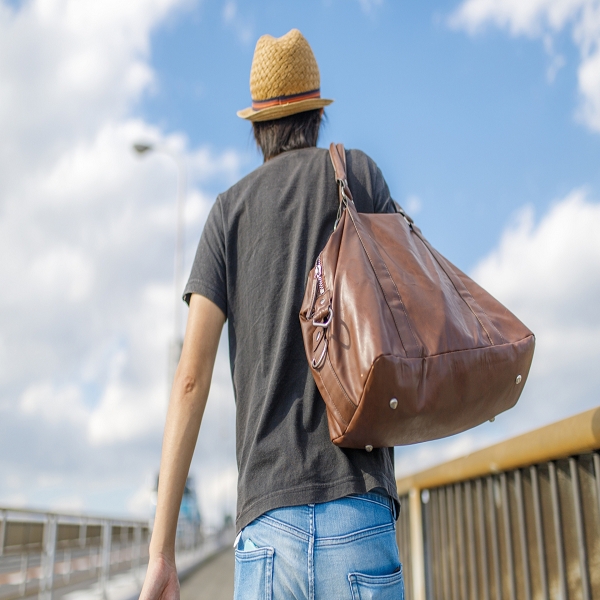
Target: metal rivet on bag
492	419
322	301
394	403
369	448
518	380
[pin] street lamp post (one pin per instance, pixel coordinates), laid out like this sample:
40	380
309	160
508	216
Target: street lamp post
177	341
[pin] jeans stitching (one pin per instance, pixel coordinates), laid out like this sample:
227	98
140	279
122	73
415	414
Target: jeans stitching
389	578
277	524
269	578
358	535
375	533
353	589
255	554
385	502
311	556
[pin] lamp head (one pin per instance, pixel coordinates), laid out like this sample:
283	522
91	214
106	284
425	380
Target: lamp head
143	148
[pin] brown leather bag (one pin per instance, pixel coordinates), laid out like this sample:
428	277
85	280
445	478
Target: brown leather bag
403	346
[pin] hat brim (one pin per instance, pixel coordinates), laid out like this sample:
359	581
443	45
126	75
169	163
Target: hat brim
283	110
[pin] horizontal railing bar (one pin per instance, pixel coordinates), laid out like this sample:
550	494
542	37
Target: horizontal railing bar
89	519
574	435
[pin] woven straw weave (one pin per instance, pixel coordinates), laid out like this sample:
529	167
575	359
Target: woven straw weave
283	71
283	66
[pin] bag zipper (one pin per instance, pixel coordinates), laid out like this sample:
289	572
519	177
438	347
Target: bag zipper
319	275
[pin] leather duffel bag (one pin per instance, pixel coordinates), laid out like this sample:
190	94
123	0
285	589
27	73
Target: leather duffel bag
403	346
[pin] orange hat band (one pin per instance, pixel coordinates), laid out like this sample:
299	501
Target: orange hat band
260	104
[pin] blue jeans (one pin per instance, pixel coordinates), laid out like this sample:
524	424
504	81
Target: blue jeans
343	549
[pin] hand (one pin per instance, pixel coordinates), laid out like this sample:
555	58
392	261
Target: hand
161	582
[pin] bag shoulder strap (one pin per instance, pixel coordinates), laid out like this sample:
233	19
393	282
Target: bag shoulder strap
338	159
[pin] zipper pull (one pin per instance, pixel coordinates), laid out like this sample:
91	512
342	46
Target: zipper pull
318	268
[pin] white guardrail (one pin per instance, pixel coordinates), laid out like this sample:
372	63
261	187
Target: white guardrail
79	557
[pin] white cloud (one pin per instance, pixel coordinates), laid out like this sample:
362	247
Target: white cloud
544	19
550	271
217	493
548	274
368	6
242	28
53	404
557	61
414	204
87	240
64	273
72	504
140	501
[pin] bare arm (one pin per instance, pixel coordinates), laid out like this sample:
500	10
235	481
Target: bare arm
186	407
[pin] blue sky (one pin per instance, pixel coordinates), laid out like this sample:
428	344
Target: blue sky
483	116
470	125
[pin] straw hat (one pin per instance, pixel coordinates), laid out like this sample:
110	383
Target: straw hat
284	78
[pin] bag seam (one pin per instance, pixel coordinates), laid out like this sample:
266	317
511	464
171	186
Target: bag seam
382	291
434	254
337	410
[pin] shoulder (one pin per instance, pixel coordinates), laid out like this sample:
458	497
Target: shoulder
282	163
361	162
293	163
363	168
366	178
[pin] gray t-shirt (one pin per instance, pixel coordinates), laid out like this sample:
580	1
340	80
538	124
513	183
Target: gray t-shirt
259	243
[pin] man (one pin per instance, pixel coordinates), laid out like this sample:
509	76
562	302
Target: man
314	520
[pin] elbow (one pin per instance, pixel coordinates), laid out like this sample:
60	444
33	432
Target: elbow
186	384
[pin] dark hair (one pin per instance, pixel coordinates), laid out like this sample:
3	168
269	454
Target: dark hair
288	133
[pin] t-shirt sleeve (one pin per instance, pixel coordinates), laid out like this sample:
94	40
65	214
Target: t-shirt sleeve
209	273
382	199
369	188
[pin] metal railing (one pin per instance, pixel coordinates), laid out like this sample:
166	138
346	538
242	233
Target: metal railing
517	520
44	553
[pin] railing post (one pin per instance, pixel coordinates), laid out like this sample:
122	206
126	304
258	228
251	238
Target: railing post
105	569
3	518
24	569
83	534
137	552
417	548
49	551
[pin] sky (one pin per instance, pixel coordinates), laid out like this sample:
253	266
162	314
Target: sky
484	116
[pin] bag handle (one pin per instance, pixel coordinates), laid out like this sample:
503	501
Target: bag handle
338	159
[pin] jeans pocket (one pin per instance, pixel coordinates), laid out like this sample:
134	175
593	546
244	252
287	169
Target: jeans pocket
377	587
254	574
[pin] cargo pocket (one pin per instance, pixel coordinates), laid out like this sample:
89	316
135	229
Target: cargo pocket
254	574
377	587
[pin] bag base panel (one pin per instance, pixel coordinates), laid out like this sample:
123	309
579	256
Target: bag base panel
437	396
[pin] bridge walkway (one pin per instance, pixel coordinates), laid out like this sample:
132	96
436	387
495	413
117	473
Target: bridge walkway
213	580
